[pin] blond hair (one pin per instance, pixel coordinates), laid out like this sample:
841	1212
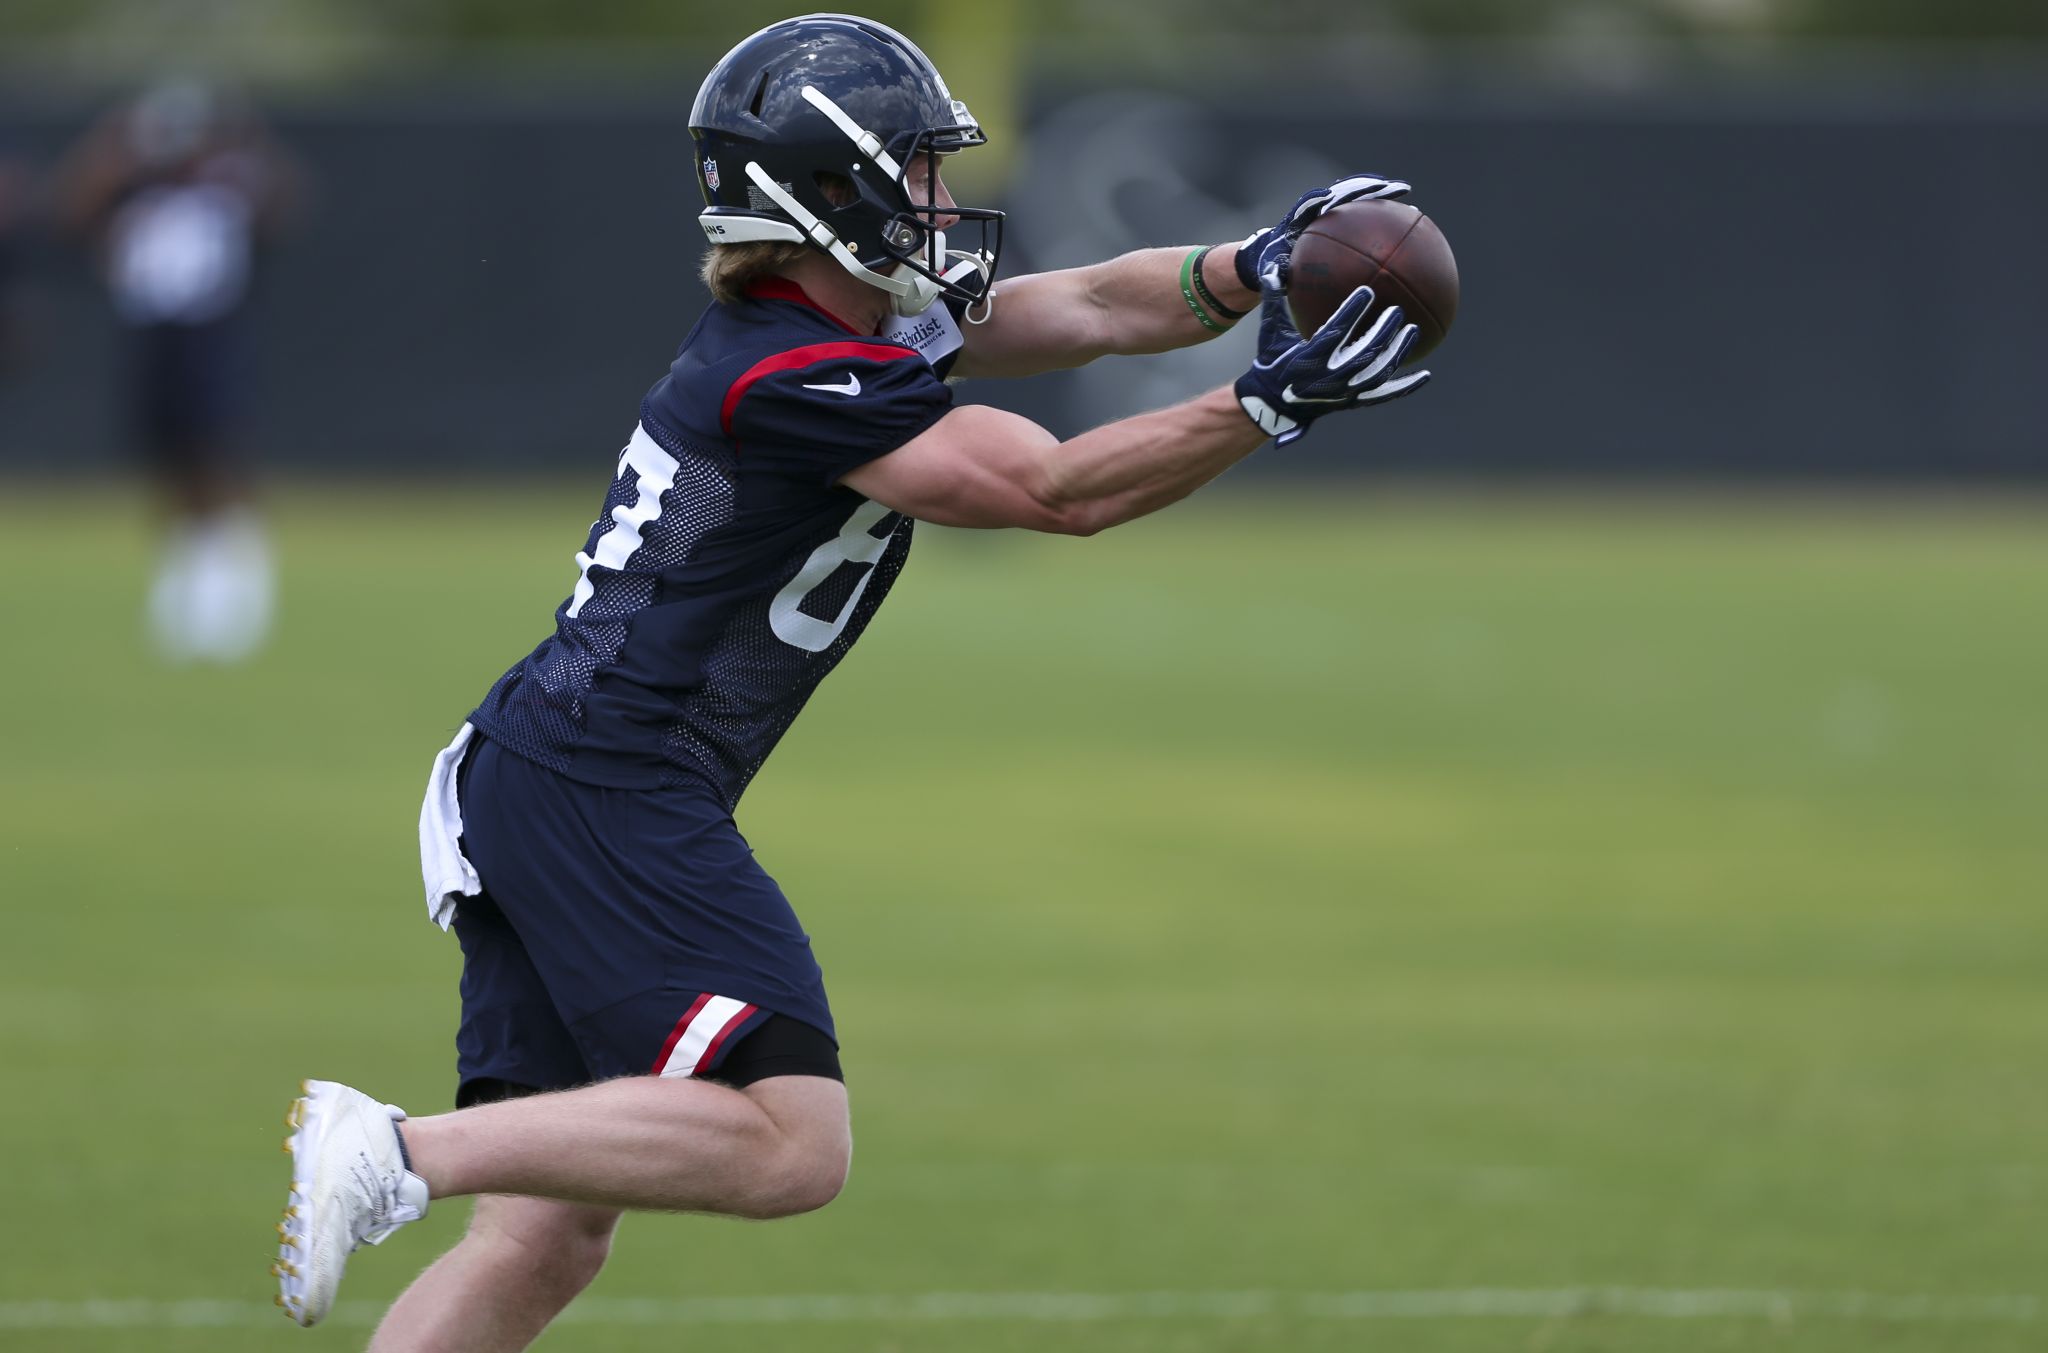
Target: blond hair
729	269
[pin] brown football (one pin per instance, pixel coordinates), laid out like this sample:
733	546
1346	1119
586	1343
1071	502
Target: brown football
1388	246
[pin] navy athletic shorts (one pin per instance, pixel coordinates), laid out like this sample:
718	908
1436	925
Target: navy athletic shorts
622	932
189	385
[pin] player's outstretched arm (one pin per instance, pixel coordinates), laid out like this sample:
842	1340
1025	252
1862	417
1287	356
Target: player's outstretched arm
1131	305
1153	300
982	467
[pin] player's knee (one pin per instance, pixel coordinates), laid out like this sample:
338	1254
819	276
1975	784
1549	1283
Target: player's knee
821	1180
806	1146
805	1177
558	1246
808	1189
584	1243
583	1256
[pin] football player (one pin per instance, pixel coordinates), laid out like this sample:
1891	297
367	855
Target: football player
643	1025
179	192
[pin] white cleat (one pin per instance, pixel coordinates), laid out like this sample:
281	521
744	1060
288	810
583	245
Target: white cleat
350	1188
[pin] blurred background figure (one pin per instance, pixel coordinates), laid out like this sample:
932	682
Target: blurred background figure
14	187
177	192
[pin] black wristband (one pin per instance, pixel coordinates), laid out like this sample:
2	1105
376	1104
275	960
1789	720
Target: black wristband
1208	296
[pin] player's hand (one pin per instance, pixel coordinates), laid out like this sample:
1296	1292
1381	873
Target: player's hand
1276	322
1273	245
1346	363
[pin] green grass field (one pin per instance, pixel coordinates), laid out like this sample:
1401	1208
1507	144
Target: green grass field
1235	922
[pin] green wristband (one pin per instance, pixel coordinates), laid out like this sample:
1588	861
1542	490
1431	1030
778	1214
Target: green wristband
1222	311
1187	292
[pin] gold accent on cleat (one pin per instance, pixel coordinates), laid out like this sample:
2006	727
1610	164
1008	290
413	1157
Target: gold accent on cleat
280	1301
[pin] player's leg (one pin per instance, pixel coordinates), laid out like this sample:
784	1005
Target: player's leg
351	1182
585	960
215	589
635	908
777	1147
178	480
774	1149
521	1261
525	1258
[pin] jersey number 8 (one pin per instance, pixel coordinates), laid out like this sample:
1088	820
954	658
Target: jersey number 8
855	544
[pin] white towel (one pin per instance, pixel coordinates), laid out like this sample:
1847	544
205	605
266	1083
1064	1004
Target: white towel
447	874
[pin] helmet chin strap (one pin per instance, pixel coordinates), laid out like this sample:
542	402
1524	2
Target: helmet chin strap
983	309
910	291
920	291
960	264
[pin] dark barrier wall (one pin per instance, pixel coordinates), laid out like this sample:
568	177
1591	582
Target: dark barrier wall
1714	288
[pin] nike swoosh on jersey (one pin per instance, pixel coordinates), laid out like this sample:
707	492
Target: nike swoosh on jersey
850	387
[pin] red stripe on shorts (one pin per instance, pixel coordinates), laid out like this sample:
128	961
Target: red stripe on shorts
675	1037
711	1053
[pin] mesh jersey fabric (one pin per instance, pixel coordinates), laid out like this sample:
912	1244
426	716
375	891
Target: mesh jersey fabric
727	573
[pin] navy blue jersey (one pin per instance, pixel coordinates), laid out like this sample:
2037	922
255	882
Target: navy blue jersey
728	572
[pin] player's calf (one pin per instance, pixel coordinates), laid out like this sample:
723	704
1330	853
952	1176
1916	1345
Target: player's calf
520	1263
557	1247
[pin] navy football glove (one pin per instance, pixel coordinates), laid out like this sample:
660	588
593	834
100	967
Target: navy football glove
1276	321
1271	245
1342	365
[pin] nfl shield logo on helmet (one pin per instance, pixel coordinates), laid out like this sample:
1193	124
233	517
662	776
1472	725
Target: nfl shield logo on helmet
711	173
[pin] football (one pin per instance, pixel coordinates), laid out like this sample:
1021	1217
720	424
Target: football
1388	246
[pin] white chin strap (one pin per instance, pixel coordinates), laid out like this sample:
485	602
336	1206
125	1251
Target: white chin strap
962	265
910	291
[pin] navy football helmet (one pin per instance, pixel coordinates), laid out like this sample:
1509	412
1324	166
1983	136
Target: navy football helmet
840	96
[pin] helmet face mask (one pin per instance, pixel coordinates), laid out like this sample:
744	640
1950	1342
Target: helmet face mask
832	95
915	234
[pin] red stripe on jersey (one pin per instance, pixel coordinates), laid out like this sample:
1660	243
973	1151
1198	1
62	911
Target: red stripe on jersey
711	1052
809	355
675	1037
782	289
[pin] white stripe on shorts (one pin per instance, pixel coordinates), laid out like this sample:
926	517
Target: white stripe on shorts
711	1021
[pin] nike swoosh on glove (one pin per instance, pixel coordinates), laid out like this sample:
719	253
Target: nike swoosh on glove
1343	365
